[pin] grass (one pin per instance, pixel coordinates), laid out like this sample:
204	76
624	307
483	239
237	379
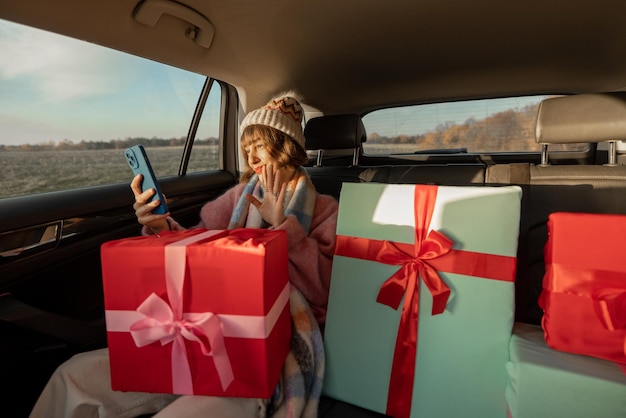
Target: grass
29	172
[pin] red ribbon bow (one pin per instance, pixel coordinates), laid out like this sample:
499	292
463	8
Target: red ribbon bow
433	246
161	324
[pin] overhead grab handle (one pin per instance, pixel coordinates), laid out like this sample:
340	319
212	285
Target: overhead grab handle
148	12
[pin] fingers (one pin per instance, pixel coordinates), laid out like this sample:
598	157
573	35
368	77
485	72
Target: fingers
146	217
273	179
268	177
135	185
141	207
141	197
281	194
278	182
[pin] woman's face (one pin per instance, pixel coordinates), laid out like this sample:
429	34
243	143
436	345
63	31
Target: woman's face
258	155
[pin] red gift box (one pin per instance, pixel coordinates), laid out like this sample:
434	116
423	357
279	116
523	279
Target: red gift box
198	312
584	288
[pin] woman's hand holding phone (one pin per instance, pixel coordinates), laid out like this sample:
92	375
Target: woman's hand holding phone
143	207
150	205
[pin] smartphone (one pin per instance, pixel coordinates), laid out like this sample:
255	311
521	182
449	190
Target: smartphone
140	164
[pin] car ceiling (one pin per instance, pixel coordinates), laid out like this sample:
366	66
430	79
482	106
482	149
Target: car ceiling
352	56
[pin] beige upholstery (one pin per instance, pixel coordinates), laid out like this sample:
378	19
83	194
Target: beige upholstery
582	118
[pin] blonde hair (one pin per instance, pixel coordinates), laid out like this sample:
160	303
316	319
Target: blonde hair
280	146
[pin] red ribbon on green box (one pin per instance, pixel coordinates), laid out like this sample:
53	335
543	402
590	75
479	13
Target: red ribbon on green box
431	253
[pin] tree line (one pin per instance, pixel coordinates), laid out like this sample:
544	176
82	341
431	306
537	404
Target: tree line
492	133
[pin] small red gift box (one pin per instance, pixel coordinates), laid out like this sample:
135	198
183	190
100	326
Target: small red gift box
584	288
198	312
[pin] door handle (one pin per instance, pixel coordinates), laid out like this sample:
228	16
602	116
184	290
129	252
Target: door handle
148	12
35	238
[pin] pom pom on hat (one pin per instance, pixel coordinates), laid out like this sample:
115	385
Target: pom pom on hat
283	112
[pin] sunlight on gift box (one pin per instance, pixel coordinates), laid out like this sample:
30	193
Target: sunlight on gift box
198	312
422	299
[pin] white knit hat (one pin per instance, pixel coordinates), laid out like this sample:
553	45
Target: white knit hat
283	113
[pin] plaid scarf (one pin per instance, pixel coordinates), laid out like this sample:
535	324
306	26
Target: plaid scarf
300	387
299	201
298	392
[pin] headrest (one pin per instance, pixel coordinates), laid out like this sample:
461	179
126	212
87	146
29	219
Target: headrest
334	132
595	117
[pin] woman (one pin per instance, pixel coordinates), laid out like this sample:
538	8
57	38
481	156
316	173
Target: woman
274	192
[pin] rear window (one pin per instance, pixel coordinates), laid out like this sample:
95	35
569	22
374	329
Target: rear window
68	109
476	126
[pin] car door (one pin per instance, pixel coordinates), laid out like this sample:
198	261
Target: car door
65	185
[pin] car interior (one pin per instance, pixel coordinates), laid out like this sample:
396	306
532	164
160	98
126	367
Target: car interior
348	60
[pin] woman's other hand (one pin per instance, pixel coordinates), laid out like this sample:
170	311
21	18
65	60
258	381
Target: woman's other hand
143	207
274	182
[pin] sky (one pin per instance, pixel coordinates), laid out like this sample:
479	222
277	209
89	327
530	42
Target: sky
54	88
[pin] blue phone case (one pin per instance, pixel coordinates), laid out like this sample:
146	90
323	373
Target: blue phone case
140	164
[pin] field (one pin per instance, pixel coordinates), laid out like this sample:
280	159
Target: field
28	172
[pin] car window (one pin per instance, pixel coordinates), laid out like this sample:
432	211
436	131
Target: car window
475	126
206	146
69	108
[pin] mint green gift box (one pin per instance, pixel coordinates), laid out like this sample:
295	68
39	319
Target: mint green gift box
462	353
546	383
